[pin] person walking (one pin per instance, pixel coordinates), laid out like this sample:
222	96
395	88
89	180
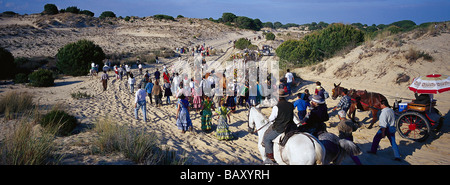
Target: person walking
206	113
131	82
157	93
289	79
149	88
184	122
222	131
387	128
104	80
167	91
301	105
345	102
140	103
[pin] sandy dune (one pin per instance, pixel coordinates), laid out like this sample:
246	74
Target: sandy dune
364	66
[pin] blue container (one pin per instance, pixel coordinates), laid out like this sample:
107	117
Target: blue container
402	106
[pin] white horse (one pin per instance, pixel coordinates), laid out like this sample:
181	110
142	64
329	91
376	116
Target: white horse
300	149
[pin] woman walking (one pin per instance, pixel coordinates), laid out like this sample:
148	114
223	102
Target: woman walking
131	82
157	93
167	91
222	131
183	120
207	106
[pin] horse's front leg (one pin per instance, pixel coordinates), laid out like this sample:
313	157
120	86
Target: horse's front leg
351	112
374	118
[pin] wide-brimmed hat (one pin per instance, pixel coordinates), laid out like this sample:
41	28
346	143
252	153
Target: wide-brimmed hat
317	99
282	94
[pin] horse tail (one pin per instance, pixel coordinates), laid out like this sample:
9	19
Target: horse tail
350	147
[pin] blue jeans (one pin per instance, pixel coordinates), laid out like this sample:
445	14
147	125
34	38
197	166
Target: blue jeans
288	86
132	88
269	135
390	133
301	114
141	105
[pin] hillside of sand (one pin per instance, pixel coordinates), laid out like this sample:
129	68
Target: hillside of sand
373	67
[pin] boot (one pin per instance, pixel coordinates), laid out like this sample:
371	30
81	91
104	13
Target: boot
270	159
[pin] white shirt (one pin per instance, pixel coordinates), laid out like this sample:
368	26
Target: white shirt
289	77
387	117
131	80
140	95
274	114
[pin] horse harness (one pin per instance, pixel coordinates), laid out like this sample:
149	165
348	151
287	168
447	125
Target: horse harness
361	93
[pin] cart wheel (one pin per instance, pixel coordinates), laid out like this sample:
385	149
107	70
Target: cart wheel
414	126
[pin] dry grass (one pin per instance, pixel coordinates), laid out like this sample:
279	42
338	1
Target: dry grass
28	144
13	103
139	146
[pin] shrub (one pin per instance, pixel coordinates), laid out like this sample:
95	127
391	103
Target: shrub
87	12
270	36
7	62
75	58
107	14
322	44
228	17
242	43
50	9
13	103
25	146
161	16
42	78
73	9
21	78
59	121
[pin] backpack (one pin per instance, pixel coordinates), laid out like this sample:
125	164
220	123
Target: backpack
325	94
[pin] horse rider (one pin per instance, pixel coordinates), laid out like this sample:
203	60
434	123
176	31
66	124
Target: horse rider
314	121
282	117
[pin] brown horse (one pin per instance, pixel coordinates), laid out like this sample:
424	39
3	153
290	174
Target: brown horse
361	100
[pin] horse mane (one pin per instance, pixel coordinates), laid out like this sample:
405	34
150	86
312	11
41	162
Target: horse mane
258	109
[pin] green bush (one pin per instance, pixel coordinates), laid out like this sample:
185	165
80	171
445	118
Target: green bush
319	45
228	17
107	14
242	43
7	62
50	9
73	9
75	58
42	78
161	16
21	78
59	120
87	12
270	36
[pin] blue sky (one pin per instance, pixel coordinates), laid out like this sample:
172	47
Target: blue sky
286	11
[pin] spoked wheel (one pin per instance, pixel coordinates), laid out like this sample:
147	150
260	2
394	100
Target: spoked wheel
414	126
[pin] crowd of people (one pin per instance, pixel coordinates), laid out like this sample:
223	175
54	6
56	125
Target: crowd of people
311	108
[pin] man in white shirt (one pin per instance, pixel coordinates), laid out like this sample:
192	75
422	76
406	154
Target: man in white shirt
289	79
139	102
387	128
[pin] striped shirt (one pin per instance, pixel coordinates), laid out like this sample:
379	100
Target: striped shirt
345	103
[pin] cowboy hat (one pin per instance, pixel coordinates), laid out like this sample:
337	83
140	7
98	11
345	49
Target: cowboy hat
317	99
